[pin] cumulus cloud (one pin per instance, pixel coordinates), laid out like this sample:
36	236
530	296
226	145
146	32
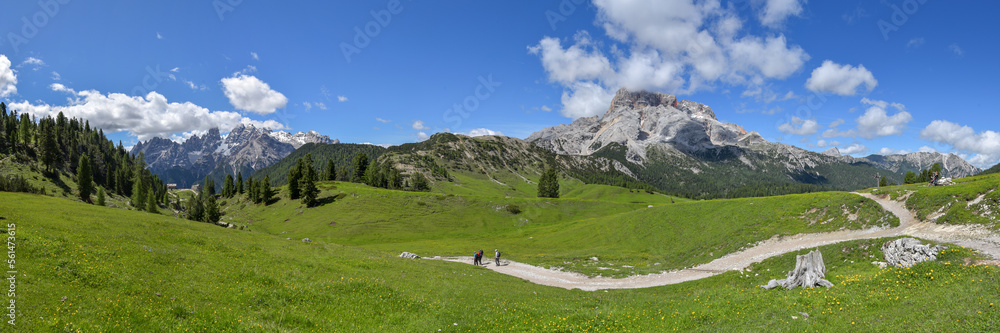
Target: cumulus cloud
839	79
876	121
421	136
963	138
145	117
342	99
776	11
853	149
482	132
677	46
8	80
836	123
800	126
927	149
248	93
419	125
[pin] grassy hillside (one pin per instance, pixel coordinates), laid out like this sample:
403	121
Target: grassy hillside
85	268
972	200
562	232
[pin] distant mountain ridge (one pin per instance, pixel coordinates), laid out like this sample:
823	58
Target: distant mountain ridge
245	148
682	148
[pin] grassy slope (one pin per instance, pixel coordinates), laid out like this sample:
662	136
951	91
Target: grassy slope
562	232
120	269
954	201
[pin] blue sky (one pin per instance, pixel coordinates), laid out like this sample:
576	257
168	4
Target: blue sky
866	77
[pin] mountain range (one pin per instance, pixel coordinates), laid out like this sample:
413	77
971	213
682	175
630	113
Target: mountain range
244	149
644	139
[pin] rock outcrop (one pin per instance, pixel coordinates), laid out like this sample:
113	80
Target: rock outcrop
809	272
906	252
408	255
951	165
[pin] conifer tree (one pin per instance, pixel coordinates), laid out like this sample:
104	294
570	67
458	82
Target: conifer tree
239	182
308	183
268	193
100	196
420	182
151	203
294	178
84	179
548	185
212	213
331	170
228	189
360	166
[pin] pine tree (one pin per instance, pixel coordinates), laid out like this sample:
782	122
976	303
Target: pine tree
138	195
100	196
910	178
239	182
212	213
268	193
883	182
50	148
420	182
151	203
331	170
308	183
228	189
294	179
209	187
360	166
548	185
84	179
195	208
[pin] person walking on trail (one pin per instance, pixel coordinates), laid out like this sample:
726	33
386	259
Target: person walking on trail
497	258
480	257
475	258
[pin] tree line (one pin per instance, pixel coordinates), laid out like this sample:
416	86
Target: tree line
70	147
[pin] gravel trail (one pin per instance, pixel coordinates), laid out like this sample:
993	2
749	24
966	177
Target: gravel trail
974	237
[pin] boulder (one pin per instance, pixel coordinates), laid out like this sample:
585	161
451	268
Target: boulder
409	255
809	272
906	252
306	240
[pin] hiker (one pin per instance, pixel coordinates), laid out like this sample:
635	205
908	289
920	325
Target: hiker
475	258
479	256
497	257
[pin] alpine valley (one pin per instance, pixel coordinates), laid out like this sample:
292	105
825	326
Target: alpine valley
646	140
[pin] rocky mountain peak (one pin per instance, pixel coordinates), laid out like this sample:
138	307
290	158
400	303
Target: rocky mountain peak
640	119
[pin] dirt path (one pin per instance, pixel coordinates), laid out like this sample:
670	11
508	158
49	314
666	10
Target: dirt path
975	237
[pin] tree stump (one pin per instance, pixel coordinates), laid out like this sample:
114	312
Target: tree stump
809	272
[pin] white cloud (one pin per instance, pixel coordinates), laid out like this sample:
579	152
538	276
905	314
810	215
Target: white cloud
61	88
342	99
776	11
679	46
885	151
307	105
321	105
915	43
145	117
800	126
35	63
419	125
854	148
421	136
876	122
194	86
836	123
585	99
824	143
175	69
955	48
254	56
56	76
159	36
843	80
927	149
963	138
984	161
248	93
384	121
546	108
481	132
574	63
8	80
